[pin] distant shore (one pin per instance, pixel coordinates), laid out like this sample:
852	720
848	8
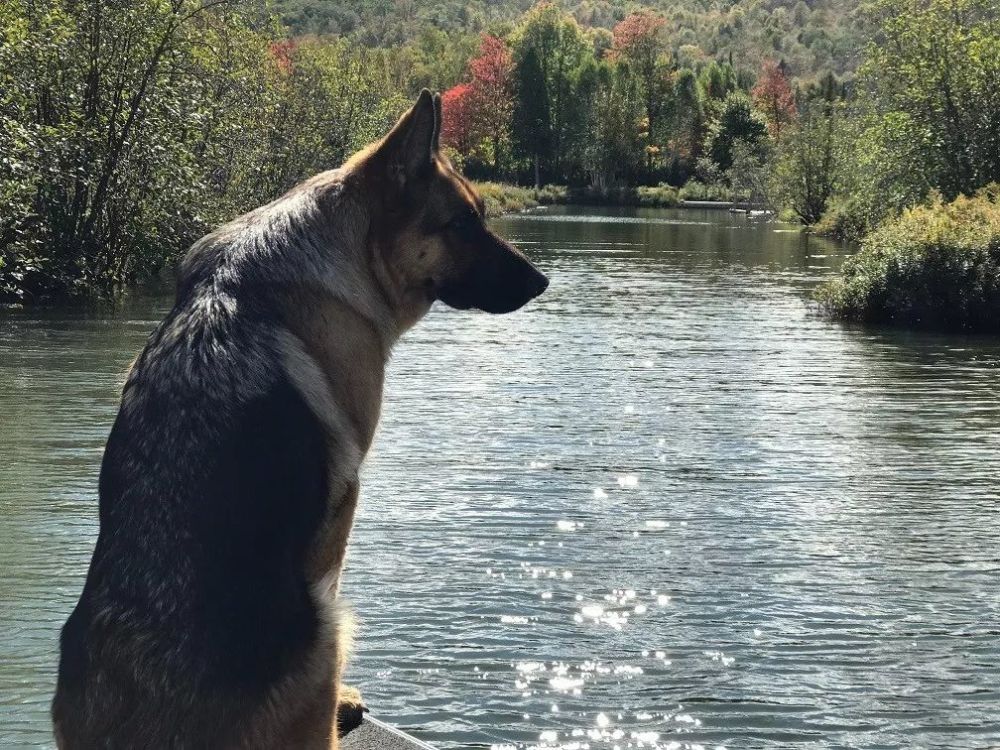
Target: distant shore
502	198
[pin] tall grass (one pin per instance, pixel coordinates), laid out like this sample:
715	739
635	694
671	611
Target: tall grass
501	198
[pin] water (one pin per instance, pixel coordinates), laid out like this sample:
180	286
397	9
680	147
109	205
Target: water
664	506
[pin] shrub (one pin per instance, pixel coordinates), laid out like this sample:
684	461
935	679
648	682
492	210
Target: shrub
503	199
549	194
936	266
845	219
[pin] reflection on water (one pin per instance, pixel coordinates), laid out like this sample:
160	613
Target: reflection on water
665	506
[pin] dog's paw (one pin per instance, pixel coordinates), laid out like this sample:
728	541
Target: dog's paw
351	709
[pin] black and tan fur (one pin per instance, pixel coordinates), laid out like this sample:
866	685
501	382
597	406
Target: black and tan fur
209	617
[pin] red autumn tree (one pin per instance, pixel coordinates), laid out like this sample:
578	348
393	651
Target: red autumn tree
482	110
773	96
493	80
459	122
639	37
282	53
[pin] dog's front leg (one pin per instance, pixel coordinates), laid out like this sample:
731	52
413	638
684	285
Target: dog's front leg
330	549
328	564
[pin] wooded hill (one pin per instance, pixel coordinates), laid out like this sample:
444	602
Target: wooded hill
812	37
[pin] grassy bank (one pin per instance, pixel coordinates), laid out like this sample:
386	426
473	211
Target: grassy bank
502	198
937	266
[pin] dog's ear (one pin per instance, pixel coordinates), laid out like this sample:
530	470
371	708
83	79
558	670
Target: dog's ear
438	121
409	148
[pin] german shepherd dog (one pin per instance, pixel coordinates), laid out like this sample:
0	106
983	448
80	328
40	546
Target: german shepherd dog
209	617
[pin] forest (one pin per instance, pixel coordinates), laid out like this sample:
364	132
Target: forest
128	130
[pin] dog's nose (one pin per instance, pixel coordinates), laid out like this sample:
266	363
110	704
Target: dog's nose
539	283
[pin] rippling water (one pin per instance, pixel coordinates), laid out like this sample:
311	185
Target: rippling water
664	506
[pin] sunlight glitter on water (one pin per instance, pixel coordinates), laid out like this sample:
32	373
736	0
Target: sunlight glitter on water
604	732
564	525
563	677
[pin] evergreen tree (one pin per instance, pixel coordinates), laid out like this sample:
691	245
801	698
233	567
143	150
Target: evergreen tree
531	112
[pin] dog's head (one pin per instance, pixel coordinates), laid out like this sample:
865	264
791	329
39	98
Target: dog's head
430	238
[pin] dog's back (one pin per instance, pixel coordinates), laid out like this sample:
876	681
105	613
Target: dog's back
196	606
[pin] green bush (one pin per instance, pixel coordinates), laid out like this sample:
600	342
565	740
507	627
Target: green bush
845	219
936	266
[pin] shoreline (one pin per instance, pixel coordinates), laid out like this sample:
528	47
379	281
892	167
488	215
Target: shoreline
503	198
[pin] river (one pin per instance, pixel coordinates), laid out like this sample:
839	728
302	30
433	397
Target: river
666	505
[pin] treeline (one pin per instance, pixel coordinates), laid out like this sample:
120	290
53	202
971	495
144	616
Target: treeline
554	102
128	129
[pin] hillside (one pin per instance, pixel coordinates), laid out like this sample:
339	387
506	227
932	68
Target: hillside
811	37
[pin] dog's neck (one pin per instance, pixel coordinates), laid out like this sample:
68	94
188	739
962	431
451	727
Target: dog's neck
349	353
350	314
356	271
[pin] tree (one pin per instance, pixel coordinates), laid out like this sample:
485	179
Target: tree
612	143
435	59
478	114
639	40
805	171
688	116
931	78
560	47
718	80
601	42
459	127
334	99
493	85
532	126
737	122
774	98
